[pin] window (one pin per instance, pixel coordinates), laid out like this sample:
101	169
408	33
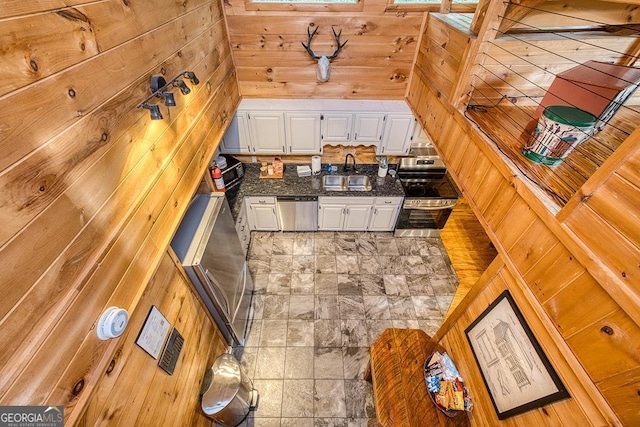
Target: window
305	5
306	1
468	6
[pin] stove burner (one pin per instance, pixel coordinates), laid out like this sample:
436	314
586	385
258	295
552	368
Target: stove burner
421	190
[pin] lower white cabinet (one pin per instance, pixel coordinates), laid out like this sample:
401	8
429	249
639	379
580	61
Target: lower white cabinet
356	217
331	216
242	228
385	213
344	213
262	213
358	213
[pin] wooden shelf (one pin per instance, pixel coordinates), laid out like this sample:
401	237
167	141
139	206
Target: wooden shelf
510	126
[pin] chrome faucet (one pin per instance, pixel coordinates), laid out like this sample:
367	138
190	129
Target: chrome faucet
346	159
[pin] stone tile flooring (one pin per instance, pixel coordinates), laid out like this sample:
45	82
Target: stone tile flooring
321	299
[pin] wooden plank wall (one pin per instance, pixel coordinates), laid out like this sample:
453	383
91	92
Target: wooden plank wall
375	64
441	52
133	390
92	188
563	286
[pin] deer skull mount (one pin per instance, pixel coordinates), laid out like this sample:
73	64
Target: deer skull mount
324	62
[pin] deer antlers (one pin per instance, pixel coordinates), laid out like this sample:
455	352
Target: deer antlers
337	37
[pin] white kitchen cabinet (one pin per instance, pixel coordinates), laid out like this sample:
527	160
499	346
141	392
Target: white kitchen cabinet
352	128
367	127
336	127
267	132
236	139
385	213
398	132
303	133
242	228
262	213
357	217
344	213
419	135
331	217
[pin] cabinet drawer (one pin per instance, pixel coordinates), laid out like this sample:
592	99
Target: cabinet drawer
388	201
346	200
262	200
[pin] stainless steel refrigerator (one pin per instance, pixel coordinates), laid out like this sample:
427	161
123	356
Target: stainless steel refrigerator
208	247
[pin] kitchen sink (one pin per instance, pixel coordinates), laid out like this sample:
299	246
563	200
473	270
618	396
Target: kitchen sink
359	183
334	183
346	183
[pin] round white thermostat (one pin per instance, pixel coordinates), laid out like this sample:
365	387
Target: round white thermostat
112	323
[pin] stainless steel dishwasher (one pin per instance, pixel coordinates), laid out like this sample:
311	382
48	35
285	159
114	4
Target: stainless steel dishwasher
298	213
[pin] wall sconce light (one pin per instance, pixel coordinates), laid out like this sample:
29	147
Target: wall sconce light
183	87
154	110
160	88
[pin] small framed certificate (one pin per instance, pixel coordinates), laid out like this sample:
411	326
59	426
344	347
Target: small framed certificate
154	331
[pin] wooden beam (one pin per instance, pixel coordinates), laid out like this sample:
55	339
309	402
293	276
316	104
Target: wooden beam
515	12
445	6
632	55
488	30
478	17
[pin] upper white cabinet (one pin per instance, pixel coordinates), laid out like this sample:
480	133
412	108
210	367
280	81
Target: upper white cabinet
336	127
367	127
303	133
236	140
397	136
267	132
354	128
297	126
419	135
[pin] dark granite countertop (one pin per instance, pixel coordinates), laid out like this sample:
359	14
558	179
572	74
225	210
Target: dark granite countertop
293	185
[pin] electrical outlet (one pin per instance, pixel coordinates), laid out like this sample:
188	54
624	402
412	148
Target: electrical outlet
254	159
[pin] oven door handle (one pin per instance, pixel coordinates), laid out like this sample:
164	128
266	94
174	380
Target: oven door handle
429	208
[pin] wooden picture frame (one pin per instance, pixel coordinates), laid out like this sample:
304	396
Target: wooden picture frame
515	370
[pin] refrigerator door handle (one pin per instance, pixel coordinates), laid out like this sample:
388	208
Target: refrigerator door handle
219	292
244	288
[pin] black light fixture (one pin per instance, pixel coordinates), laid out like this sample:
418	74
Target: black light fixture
160	88
154	110
183	87
192	76
169	99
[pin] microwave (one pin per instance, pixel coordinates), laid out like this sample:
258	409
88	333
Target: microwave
233	173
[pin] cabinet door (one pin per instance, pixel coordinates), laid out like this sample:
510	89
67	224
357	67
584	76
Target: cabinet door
263	217
384	218
267	132
419	135
368	127
336	127
357	218
236	139
303	133
330	217
397	135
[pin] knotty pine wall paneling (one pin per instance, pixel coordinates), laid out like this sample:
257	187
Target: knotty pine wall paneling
134	390
575	296
375	64
92	188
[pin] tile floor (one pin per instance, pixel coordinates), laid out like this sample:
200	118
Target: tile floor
321	299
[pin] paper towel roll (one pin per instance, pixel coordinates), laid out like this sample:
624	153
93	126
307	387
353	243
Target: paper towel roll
316	165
